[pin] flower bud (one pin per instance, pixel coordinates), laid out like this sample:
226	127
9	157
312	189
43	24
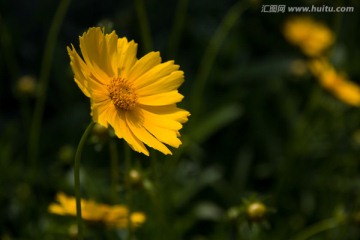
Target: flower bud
233	213
256	211
135	178
73	231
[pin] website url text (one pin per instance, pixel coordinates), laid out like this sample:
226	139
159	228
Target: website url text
308	9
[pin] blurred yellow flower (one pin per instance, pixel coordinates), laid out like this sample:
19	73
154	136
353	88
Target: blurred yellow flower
337	83
116	216
137	97
311	36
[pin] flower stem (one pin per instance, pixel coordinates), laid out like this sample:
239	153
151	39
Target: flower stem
208	59
179	22
77	177
144	25
51	40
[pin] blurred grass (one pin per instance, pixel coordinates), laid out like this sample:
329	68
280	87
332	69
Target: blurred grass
262	128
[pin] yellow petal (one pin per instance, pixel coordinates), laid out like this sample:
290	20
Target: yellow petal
111	53
165	84
117	213
126	56
94	211
143	65
134	121
159	119
164	135
157	72
100	104
117	121
95	50
311	36
62	198
56	209
67	203
169	111
80	70
335	82
161	99
97	84
348	92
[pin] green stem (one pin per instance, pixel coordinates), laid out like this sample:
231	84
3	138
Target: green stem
210	54
144	25
317	228
35	127
77	177
179	21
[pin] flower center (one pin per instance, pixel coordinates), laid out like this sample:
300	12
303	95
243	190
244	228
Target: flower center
122	94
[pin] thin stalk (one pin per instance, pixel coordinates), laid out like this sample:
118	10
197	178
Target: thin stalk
178	26
207	62
144	25
317	228
47	60
77	178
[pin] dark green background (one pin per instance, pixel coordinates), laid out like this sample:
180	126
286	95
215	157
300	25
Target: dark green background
259	131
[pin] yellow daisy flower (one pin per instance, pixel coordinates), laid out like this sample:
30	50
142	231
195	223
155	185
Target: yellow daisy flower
337	83
137	97
311	36
116	216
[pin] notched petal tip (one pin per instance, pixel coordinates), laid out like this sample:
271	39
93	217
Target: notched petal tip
138	150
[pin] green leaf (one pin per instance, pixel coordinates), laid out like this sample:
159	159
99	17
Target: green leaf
215	121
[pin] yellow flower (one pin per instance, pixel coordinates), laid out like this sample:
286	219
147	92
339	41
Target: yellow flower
311	36
137	97
116	216
335	82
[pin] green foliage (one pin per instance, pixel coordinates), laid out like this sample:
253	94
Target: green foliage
262	128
